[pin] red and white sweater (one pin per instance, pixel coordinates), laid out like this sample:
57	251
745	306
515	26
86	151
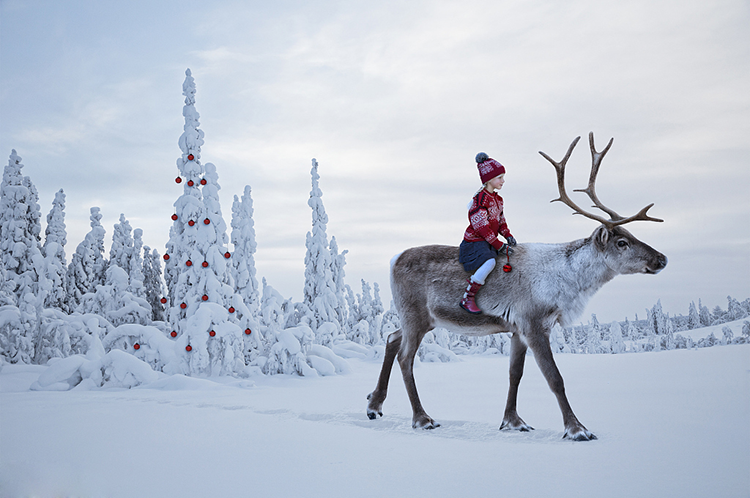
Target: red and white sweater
486	219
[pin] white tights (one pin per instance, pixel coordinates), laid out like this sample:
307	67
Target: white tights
481	274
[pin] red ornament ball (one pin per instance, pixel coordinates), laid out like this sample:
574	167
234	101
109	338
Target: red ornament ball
212	333
507	268
166	257
205	264
190	157
183	306
231	309
178	180
174	217
188	348
204	297
206	221
191	223
248	331
188	263
136	346
163	300
173	333
227	255
191	183
203	181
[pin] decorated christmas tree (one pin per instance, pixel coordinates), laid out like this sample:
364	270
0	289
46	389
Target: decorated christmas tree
201	301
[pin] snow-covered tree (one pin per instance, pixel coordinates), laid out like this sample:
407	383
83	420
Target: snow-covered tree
153	287
22	260
704	314
87	265
694	320
593	343
122	244
53	250
616	343
320	289
338	261
243	261
115	302
202	301
657	320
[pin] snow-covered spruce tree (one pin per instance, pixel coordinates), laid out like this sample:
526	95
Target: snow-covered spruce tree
201	301
115	302
122	244
593	343
320	289
694	320
53	250
338	262
153	287
135	275
616	344
22	259
704	314
242	271
243	239
87	265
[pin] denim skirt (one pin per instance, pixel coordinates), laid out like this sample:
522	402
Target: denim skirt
474	254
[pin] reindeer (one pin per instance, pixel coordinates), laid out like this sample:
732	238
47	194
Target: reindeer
550	283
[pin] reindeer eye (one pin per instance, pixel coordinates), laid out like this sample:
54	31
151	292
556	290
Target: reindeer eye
622	243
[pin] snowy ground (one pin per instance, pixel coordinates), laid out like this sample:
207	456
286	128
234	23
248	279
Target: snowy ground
672	423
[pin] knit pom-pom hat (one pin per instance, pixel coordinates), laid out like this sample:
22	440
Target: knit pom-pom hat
488	167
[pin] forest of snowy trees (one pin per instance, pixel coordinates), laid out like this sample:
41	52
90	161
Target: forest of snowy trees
122	318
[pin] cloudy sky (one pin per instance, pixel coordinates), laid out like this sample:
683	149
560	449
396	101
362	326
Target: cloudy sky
394	99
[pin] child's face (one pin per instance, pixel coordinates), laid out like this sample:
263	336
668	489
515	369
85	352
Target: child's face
496	183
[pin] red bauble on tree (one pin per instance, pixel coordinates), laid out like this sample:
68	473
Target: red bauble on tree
174	217
190	157
136	346
163	300
212	333
203	181
178	180
191	183
183	306
248	331
188	263
205	264
173	333
191	223
204	297
206	221
227	255
166	257
231	309
188	348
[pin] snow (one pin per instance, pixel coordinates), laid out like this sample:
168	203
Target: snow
670	423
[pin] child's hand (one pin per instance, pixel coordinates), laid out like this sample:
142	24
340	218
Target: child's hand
511	241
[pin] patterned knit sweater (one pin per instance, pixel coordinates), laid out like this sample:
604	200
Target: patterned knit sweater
486	219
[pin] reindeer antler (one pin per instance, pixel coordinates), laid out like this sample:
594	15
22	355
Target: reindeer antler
596	159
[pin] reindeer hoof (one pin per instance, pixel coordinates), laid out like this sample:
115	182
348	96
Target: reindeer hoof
373	415
424	422
515	423
579	434
522	427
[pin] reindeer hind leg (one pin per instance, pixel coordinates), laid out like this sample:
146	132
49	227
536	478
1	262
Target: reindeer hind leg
377	397
420	419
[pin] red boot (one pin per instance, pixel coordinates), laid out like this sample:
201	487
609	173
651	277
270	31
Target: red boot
468	302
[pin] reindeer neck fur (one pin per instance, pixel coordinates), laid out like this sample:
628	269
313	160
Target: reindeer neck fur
581	271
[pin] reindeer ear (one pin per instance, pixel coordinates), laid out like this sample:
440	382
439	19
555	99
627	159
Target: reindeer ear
601	236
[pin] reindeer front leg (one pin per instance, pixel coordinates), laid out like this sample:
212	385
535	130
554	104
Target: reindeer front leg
409	347
539	343
511	420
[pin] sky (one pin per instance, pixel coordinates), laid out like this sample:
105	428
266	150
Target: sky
394	100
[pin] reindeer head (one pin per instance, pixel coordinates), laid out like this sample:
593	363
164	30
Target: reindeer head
622	252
